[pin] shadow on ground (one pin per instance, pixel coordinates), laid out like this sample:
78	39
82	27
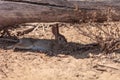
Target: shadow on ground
76	50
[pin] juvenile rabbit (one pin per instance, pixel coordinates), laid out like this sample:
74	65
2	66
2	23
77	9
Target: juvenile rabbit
42	44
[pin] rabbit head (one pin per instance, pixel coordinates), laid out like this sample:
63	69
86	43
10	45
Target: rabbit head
59	38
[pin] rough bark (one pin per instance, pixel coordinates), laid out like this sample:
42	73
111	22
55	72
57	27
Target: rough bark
19	12
16	12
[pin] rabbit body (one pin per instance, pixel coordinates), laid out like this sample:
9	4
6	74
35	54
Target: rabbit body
34	44
42	44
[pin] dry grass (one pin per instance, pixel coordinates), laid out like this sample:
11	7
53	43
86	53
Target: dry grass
106	35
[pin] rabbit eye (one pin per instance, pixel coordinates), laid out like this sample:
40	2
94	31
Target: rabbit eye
59	38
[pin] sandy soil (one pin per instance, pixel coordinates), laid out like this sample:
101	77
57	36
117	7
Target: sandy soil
74	63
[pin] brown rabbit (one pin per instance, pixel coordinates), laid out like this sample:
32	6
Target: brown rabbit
42	44
59	38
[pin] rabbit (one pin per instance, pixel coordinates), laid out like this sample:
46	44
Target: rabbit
60	39
42	44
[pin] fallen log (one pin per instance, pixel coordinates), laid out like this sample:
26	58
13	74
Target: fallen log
15	13
12	13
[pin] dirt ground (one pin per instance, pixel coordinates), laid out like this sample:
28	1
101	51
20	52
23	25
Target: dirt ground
71	63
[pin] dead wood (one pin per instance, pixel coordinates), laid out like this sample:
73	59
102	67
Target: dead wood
23	12
14	12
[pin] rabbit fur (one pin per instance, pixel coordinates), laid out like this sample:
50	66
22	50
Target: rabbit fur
42	44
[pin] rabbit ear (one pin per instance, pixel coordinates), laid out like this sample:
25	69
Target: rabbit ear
55	29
